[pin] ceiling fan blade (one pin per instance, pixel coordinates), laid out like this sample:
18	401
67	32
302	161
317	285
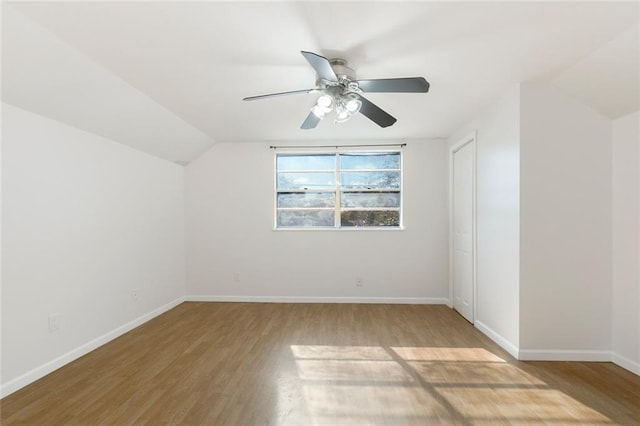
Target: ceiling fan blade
396	85
375	113
275	95
311	121
321	65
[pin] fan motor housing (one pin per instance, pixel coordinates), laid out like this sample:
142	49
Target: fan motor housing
342	71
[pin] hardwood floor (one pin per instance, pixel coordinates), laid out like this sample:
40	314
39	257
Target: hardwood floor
324	364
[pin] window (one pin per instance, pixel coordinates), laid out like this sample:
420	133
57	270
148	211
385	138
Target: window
339	190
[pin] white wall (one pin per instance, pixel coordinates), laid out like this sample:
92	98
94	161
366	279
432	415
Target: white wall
626	242
565	227
85	220
229	213
497	217
545	221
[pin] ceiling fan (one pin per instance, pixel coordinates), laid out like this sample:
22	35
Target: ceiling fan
342	92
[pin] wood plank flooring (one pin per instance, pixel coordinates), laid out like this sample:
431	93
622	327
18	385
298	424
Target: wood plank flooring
319	364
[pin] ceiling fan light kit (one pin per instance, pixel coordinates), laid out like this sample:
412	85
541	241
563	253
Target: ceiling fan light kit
342	92
345	105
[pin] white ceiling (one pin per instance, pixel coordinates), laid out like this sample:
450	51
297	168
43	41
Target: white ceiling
609	78
168	77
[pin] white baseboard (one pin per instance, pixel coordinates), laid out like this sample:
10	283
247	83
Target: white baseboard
564	355
504	343
49	367
626	363
309	299
559	355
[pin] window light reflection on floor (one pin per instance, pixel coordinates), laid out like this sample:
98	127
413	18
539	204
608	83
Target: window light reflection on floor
331	400
429	385
353	371
340	352
446	354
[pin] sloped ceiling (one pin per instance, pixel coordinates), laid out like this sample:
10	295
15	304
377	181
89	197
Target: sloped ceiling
168	77
43	74
608	79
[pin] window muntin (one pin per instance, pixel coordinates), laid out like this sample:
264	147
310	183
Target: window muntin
339	190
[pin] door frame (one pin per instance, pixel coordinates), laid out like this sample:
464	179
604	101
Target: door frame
455	147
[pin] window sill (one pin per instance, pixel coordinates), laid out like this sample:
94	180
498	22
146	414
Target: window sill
345	229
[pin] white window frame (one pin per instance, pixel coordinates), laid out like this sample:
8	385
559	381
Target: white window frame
337	190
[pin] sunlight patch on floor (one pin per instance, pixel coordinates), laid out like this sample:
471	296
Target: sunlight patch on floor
487	374
340	352
446	354
349	370
548	405
428	385
364	400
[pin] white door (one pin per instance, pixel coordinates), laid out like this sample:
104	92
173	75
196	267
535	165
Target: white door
462	191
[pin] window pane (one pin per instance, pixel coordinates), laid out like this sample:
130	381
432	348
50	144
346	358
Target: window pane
370	161
305	218
370	180
370	218
306	162
370	199
306	199
306	181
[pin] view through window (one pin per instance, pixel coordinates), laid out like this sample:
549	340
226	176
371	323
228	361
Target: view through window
338	190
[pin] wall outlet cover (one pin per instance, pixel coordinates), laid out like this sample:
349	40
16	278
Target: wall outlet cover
54	322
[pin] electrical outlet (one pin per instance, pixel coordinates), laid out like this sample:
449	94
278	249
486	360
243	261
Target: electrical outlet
236	277
54	323
359	282
134	294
